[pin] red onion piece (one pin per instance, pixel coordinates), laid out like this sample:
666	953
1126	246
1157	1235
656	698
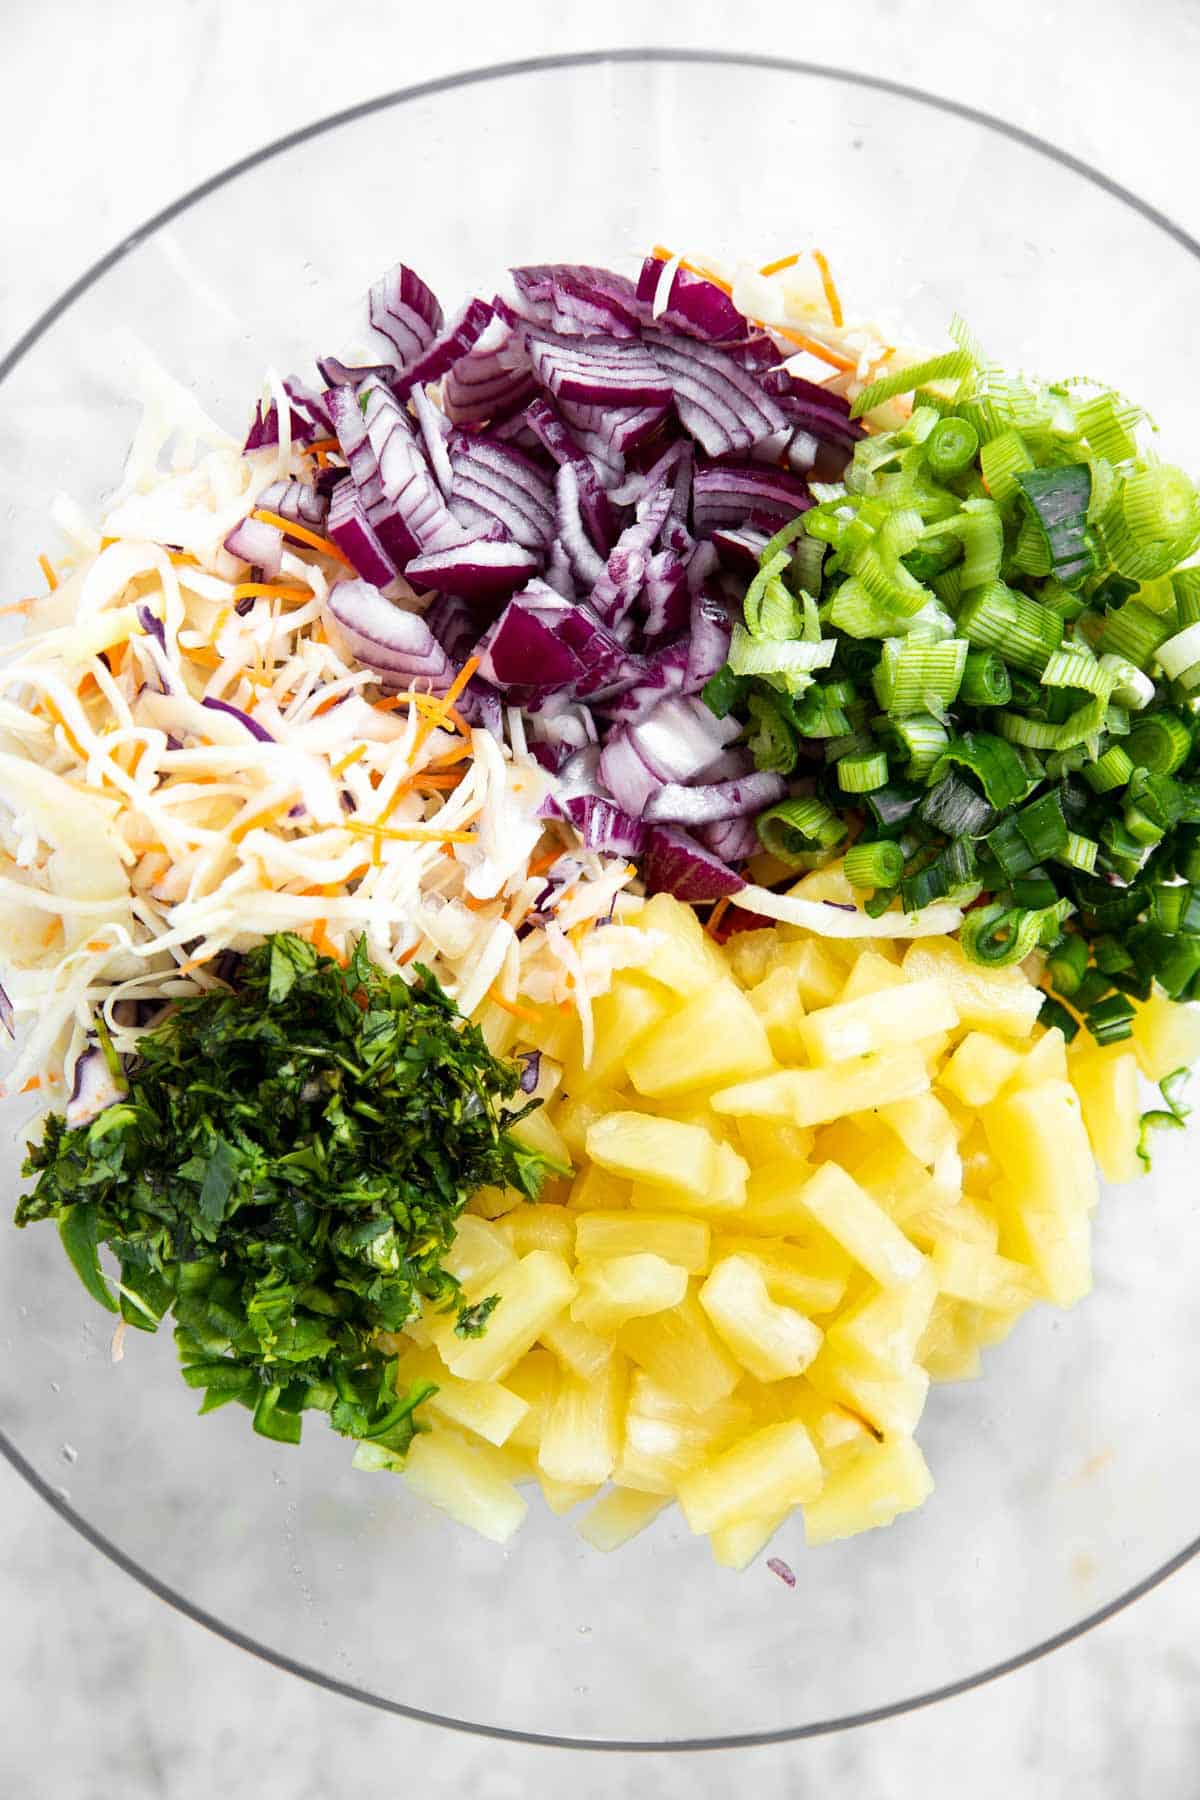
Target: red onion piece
256	542
739	548
459	337
679	738
722	405
295	501
604	827
406	312
676	863
708	644
711	802
395	643
478	569
733	840
598	371
353	533
93	1088
501	483
492	379
693	304
593	502
235	712
729	493
7	1017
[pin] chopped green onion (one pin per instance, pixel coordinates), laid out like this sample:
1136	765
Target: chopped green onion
951	868
994	617
921	740
1110	1021
951	447
1108	423
917	675
723	692
795	828
1031	557
1112	770
1152	523
998	767
1001	460
785	539
1177	966
791	659
1179	653
767	572
1055	1017
893	806
954	807
982	531
1185	588
1077	669
1043	825
985	680
876	865
860	774
1160	742
1037	734
1187	861
952	365
1067	964
997	935
1135	632
1009	850
1034	891
1112	958
1091	990
1057	499
1079	852
773	743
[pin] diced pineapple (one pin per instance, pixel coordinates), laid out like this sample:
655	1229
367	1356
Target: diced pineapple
1106	1080
991	1325
847	1141
736	1546
1166	1036
487	1408
767	1472
808	1277
1046	1061
1037	1136
826	883
664	1437
818	972
658	1153
716	1038
673	1236
776	999
479	1253
683	1353
494	1202
887	1019
979	1068
1055	1244
751	954
540	1228
464	1480
499	1028
684	958
774	1207
893	1405
979	1276
815	1096
949	1350
583	1433
555	1033
631	1008
533	1292
969	1220
768	1140
895	1179
874	1488
537	1131
584	1353
618	1516
535	1381
725	1195
855	1221
879	1334
870	974
924	1126
573	1116
1002	1000
561	1496
595	1190
615	1289
772	1341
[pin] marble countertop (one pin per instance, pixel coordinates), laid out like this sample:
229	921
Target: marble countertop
110	113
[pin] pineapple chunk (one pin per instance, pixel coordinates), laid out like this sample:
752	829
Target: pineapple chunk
538	1132
1106	1080
774	1206
1045	1062
808	1278
888	1019
736	1546
1037	1136
715	1039
659	1153
752	954
773	1342
479	1253
725	1195
819	974
815	1096
672	1236
618	1516
630	1008
616	1289
870	975
966	1220
489	1410
776	999
1003	1000
977	1275
852	1219
595	1190
873	1489
768	1140
683	1353
1166	1036
584	1353
765	1473
583	1432
465	1480
494	1202
499	1028
684	957
924	1127
949	1350
535	1381
533	1292
879	1334
575	1114
893	1405
540	1228
979	1068
1056	1245
561	1496
664	1437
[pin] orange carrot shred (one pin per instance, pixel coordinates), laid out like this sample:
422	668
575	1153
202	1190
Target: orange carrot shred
271	590
326	443
716	915
351	756
49	571
412	951
832	297
512	1006
780	263
312	538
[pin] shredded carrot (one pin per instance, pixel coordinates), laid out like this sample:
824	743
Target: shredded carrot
351	756
474	904
832	297
436	784
271	590
182	559
322	942
195	962
35	1081
457	755
693	269
206	657
254	816
96	944
408	834
312	538
87	684
115	657
813	345
58	719
18	606
330	700
716	915
409	954
446	705
780	263
547	860
511	1006
321	444
49	571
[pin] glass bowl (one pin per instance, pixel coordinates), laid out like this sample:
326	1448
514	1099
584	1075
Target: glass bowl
1066	1476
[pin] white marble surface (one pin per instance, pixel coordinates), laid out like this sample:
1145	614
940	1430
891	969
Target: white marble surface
111	111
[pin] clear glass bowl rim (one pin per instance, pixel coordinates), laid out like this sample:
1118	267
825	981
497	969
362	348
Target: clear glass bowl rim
663	55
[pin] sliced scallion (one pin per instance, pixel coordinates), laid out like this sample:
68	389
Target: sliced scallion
861	774
995	617
876	865
795	828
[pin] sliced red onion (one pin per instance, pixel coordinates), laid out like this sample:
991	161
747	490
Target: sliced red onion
666	602
93	1088
605	665
733	840
478	569
722	405
598	371
396	644
625	773
680	737
709	639
435	429
532	1061
593	502
151	622
709	803
235	712
455	625
295	501
337	374
409	506
729	493
701	564
353	533
604	827
460	336
264	428
665	672
609	432
693	304
625	571
522	653
565	726
578	292
501	483
559	573
739	547
7	1016
493	378
815	408
582	559
676	863
256	542
406	312
349	425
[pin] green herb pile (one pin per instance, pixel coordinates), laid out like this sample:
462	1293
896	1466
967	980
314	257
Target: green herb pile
284	1173
979	659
